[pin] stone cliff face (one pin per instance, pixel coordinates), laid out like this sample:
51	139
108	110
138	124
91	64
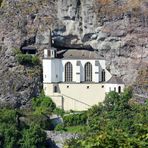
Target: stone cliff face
120	37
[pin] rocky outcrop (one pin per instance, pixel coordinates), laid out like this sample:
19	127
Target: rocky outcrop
57	139
118	36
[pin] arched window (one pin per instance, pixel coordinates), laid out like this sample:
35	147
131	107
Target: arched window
103	75
119	89
55	89
68	72
88	71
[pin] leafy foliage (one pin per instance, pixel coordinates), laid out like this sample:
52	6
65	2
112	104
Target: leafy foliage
33	137
60	127
27	59
75	119
23	128
115	123
43	105
14	133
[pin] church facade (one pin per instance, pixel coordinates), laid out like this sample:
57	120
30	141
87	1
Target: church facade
77	79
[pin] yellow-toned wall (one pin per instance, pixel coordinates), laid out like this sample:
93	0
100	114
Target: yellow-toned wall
76	97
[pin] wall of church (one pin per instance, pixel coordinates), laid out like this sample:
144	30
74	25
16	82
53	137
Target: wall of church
76	96
47	75
114	87
53	70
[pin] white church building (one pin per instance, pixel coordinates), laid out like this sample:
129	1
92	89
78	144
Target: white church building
77	79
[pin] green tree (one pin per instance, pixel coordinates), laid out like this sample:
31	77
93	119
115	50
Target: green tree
43	105
14	133
115	123
33	137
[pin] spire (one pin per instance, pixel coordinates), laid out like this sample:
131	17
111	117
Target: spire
50	39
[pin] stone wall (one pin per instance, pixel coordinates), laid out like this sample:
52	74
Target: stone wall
57	139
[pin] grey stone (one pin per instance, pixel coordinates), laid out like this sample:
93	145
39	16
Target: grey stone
102	36
119	33
57	139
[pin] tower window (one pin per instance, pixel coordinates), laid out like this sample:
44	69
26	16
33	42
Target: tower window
68	72
103	75
88	71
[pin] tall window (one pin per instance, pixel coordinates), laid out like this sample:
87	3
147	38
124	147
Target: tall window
68	72
55	89
103	75
119	89
88	71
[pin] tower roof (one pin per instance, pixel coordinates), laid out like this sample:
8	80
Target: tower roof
115	80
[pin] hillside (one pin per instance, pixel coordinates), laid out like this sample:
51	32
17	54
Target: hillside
118	30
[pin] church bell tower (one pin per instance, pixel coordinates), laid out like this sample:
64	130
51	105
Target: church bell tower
50	52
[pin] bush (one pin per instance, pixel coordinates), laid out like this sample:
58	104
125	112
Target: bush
75	119
60	127
43	105
114	123
12	135
59	112
27	59
24	58
35	60
42	120
33	137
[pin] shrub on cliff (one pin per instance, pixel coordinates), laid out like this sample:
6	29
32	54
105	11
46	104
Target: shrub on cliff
27	59
43	105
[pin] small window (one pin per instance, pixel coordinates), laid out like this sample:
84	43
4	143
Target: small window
115	89
56	76
102	86
48	53
78	63
119	89
103	75
45	76
55	89
67	86
87	87
109	89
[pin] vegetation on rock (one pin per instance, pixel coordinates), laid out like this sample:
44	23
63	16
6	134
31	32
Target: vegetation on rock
24	128
15	133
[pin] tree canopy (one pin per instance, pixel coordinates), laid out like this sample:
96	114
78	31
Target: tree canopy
115	123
